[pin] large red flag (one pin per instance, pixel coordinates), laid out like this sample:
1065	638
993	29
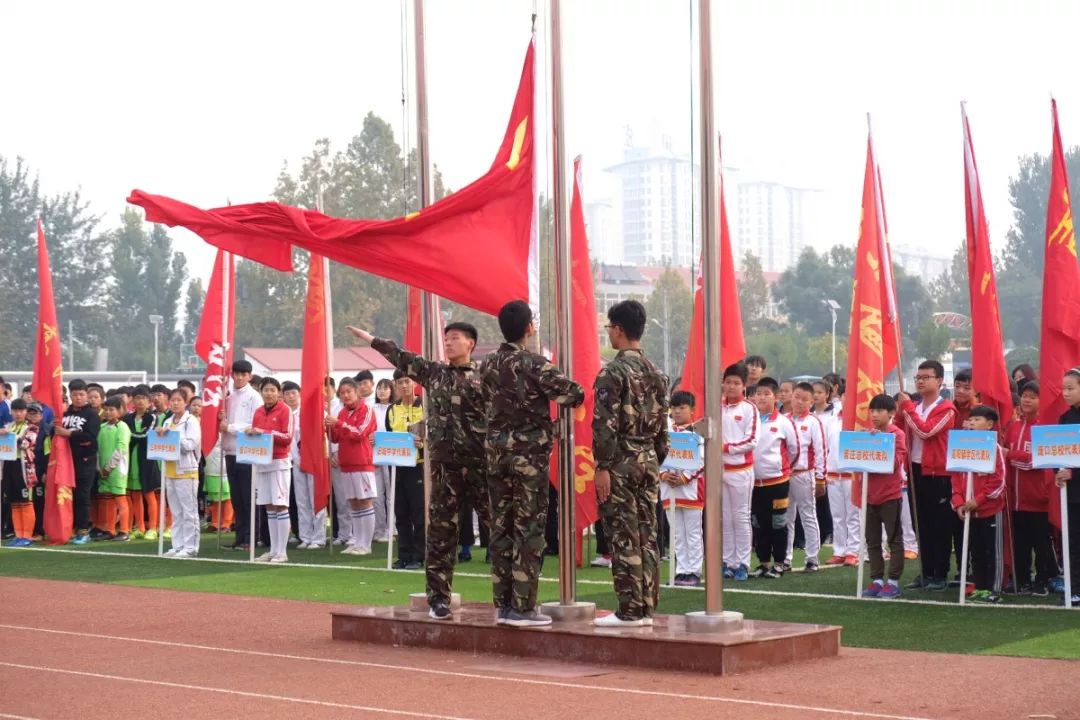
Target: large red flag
732	342
48	385
213	343
314	367
873	349
988	374
471	247
1059	345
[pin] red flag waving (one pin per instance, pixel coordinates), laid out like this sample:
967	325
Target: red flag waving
481	231
732	342
872	345
213	343
314	367
988	374
1059	346
48	384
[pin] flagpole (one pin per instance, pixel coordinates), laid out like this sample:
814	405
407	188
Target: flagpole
328	323
226	259
714	618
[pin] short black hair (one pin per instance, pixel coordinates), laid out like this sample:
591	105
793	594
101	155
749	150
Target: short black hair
159	388
186	384
76	384
1015	397
768	382
808	387
985	411
736	370
125	389
140	390
175	391
938	368
289	385
883	402
270	381
241	366
514	319
114	402
792	383
630	316
92	386
256	380
347	382
463	327
364	375
682	397
398	374
18	404
1031	386
962	376
832	378
755	360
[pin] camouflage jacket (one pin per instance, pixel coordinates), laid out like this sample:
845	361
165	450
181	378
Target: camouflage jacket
456	419
631	409
519	386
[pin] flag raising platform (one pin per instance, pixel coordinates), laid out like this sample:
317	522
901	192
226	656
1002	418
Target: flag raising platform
668	644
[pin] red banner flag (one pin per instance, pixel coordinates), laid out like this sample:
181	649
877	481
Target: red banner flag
48	385
988	374
1059	346
314	367
732	342
471	247
213	344
873	349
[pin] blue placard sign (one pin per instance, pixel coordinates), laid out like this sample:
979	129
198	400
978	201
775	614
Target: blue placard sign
395	448
684	452
1055	446
867	452
255	449
973	451
163	447
8	446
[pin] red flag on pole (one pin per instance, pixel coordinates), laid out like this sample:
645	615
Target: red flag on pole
1059	346
988	374
313	371
470	247
213	343
732	342
48	385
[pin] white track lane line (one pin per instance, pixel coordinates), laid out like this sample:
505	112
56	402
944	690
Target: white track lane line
226	691
603	583
470	676
8	716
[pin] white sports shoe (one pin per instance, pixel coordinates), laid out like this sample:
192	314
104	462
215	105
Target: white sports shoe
265	557
338	541
614	620
279	559
171	552
303	546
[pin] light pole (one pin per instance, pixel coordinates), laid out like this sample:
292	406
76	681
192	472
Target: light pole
155	320
667	345
833	306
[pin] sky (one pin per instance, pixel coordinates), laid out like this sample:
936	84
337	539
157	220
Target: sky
206	101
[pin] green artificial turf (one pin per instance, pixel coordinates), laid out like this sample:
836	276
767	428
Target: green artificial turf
364	581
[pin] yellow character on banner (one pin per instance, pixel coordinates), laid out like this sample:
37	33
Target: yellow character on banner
586	467
870	328
48	334
1064	233
985	283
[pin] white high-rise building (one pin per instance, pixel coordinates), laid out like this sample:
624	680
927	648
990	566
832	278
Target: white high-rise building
602	229
772	221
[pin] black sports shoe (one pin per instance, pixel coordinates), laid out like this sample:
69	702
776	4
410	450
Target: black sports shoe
439	611
398	565
120	537
413	565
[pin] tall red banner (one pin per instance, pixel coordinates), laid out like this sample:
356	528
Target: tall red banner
213	343
732	342
872	344
471	247
314	367
48	383
988	374
1059	346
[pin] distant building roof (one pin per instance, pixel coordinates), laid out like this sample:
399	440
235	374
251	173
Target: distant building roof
350	359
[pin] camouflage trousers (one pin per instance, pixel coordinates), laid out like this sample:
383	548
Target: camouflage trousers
518	486
629	518
451	486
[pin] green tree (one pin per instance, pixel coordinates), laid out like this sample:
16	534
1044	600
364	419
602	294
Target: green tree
754	296
814	278
949	291
817	359
932	341
780	350
195	296
670	307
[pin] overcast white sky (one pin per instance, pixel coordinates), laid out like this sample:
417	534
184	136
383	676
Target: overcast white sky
204	101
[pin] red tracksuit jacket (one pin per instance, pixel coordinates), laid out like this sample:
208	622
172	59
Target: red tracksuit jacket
988	491
278	422
353	432
933	431
1029	489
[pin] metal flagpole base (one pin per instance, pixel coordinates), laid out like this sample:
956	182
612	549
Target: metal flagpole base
573	612
418	602
724	621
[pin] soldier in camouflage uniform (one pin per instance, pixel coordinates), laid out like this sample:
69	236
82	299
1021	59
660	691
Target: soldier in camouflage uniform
519	386
456	426
629	443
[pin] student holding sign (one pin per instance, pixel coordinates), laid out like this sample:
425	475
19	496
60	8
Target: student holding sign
1070	479
182	477
273	479
985	507
884	507
776	450
687	488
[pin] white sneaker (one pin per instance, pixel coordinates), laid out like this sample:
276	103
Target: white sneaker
349	550
339	541
171	552
614	620
381	538
601	561
279	559
187	554
316	546
302	546
293	540
357	550
265	557
646	622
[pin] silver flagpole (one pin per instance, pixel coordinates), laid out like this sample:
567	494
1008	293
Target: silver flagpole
713	618
567	608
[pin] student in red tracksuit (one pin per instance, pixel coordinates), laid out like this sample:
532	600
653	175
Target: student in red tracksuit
985	507
927	426
884	507
1029	501
354	430
272	481
963	399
